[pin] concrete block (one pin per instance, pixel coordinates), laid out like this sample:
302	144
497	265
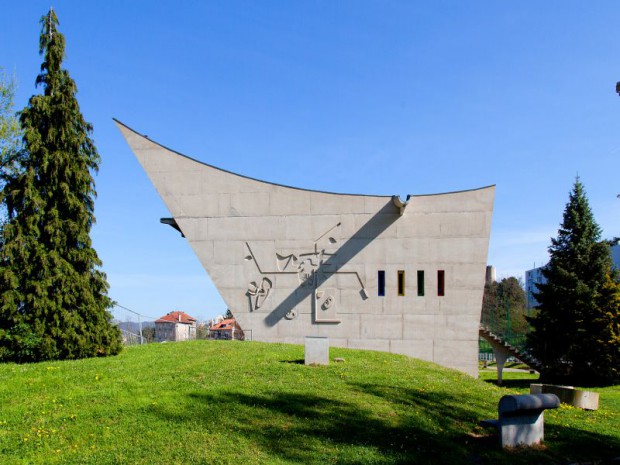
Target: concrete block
316	350
587	400
522	430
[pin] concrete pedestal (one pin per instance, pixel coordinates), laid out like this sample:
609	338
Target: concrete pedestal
317	350
525	430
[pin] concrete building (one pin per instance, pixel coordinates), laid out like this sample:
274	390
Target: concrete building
533	277
369	272
175	326
491	275
615	255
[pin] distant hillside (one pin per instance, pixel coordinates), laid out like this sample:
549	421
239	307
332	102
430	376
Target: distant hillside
134	327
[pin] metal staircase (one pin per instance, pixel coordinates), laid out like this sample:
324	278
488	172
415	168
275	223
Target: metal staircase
503	350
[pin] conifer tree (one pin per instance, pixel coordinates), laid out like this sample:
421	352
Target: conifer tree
576	330
53	296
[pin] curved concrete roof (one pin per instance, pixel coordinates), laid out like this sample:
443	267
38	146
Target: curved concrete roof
397	200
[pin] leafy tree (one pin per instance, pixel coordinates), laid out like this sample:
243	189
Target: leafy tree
148	333
9	138
489	302
504	307
9	125
202	331
576	330
53	297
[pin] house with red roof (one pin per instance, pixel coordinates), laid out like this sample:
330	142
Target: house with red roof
226	329
175	326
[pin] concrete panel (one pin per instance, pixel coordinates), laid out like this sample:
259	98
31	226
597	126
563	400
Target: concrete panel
244	204
204	251
292	263
248	229
470	201
419	225
374	204
381	345
197	205
418	327
350	327
229	275
382	327
339	342
418	348
381	225
181	183
450	326
464	224
329	204
398	305
456	353
289	202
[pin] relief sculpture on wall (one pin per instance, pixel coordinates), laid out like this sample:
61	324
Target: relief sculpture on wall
258	293
313	268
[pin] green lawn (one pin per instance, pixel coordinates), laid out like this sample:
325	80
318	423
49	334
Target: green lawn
247	402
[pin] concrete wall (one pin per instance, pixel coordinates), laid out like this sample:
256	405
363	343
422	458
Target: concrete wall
292	263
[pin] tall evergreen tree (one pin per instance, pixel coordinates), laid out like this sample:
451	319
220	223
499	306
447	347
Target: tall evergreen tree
53	296
576	330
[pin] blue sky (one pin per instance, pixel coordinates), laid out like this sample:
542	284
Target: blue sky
349	96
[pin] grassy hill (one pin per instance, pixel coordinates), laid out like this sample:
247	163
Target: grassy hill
247	402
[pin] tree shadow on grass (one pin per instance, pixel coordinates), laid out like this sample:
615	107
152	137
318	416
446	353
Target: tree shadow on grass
564	444
385	424
513	383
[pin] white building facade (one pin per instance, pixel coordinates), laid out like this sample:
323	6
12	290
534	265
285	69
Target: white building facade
175	326
534	277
